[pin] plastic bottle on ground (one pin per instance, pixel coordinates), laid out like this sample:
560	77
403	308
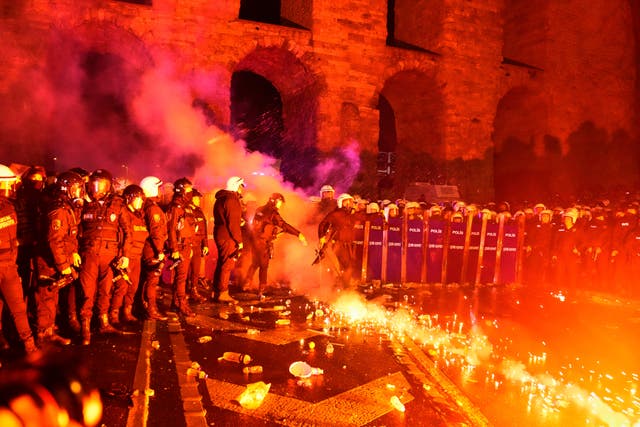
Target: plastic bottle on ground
232	356
397	404
255	369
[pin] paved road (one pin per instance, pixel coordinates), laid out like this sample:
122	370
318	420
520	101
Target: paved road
421	345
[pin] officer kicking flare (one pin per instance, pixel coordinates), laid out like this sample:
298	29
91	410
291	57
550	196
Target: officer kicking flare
335	232
267	225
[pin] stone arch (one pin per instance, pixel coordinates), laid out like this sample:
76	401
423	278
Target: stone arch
519	140
521	114
417	105
91	70
298	90
106	37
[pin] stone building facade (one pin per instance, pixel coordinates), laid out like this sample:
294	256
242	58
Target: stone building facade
479	93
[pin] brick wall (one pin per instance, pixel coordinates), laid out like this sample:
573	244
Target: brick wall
445	78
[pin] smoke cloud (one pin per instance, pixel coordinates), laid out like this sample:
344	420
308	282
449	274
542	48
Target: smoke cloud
113	108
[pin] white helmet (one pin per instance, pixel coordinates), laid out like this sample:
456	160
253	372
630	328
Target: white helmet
373	207
234	183
8	179
150	185
343	197
571	213
326	189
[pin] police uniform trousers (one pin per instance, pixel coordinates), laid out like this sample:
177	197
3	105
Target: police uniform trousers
11	295
345	253
181	272
124	292
224	264
194	268
96	276
261	251
46	299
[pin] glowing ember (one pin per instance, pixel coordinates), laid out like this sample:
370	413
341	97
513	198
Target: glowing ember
469	353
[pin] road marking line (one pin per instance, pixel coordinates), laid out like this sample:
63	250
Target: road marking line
194	412
446	385
139	413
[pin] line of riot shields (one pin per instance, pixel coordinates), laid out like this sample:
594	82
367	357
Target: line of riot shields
474	251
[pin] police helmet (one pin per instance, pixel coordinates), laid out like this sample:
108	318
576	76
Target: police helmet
275	197
134	196
571	213
99	184
234	183
34	177
150	185
326	189
342	197
182	186
373	208
70	185
8	180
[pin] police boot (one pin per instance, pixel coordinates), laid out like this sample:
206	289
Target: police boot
184	309
105	327
127	314
154	313
225	297
86	331
30	346
196	297
49	335
114	317
73	323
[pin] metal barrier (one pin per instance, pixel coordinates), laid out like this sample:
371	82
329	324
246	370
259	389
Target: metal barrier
475	251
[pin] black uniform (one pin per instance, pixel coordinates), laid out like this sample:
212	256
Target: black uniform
10	286
337	227
153	248
54	255
227	216
567	251
104	227
199	244
181	229
267	225
29	209
125	290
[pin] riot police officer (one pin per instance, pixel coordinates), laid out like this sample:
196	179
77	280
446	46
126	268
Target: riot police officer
336	230
267	225
10	286
200	247
153	251
29	209
104	232
181	224
127	285
57	256
227	221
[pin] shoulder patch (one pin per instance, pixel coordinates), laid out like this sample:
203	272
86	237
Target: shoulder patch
156	217
56	224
